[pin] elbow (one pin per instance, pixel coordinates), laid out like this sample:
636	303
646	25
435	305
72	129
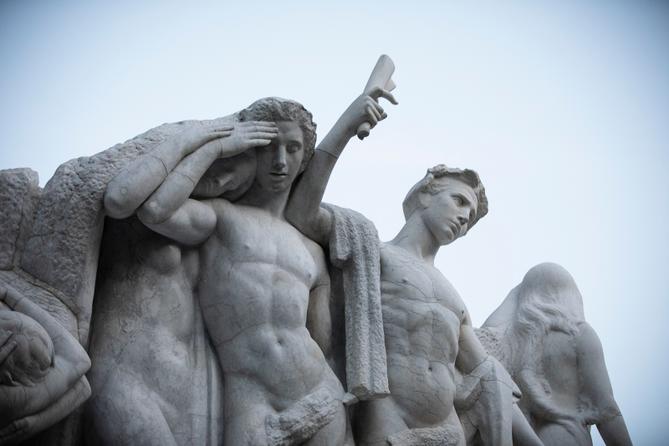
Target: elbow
116	203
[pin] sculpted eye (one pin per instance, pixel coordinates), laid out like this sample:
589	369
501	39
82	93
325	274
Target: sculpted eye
292	148
458	200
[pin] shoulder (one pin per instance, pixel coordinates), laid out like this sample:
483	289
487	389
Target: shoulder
316	252
227	212
587	341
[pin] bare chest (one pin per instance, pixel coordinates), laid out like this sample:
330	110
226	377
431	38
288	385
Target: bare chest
253	239
419	304
256	274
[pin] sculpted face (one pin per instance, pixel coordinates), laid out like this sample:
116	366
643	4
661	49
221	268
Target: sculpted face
279	162
447	213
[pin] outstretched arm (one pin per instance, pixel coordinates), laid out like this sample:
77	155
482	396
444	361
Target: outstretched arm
303	209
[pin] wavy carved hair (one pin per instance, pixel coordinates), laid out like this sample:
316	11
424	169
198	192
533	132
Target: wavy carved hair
547	300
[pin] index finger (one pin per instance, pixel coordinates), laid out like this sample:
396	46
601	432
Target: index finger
270	124
378	92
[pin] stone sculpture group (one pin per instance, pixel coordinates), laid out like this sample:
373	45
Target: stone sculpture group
193	276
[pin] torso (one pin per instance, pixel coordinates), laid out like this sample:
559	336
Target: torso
422	314
256	275
147	318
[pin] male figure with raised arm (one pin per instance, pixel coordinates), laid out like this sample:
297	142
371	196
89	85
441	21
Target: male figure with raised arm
428	333
262	285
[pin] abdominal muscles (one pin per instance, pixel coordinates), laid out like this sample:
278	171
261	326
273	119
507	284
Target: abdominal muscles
257	321
424	390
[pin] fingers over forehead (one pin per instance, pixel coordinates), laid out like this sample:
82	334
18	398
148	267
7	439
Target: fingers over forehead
261	135
259	124
260	141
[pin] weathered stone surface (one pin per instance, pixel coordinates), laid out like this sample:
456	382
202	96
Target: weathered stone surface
302	420
19	190
428	436
63	246
46	299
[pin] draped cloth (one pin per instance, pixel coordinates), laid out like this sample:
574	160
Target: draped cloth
354	250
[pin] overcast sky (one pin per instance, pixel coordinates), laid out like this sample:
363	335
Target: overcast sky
562	108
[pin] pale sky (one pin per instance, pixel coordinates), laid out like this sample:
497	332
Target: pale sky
562	108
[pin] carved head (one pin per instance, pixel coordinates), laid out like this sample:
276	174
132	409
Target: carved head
450	200
231	177
548	299
30	360
277	110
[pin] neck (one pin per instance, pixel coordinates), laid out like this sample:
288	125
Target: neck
417	239
272	202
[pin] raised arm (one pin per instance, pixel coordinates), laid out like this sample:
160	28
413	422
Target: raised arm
157	185
131	187
303	209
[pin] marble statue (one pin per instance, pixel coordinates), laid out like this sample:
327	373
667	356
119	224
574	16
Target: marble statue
540	335
193	277
263	287
428	333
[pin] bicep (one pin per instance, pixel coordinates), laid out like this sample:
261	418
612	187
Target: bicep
191	224
471	352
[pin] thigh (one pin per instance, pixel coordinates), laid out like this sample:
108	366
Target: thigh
124	413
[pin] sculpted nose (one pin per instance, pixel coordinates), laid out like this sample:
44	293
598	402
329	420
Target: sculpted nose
279	162
463	220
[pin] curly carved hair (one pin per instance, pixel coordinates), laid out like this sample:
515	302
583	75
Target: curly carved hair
434	182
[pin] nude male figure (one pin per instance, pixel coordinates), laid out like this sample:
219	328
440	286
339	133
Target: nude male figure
262	285
428	332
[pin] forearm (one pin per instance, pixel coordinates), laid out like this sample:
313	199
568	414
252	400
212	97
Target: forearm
27	426
493	395
177	185
133	185
614	432
303	209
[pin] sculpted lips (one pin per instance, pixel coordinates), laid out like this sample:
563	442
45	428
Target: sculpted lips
455	228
